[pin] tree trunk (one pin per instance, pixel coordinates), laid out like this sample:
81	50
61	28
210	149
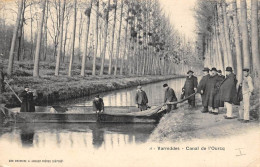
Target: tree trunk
59	52
118	38
38	44
96	39
254	39
45	33
80	34
124	54
73	39
20	34
105	40
244	31
226	29
222	37
11	55
85	51
112	42
237	43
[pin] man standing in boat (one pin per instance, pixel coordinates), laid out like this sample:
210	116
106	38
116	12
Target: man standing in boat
27	100
98	104
141	99
169	96
190	87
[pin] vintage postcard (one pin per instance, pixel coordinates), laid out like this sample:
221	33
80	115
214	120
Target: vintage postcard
132	83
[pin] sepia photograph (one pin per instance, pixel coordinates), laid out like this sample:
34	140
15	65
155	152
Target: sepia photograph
129	83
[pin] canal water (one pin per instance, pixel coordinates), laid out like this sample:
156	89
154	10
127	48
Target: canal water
90	136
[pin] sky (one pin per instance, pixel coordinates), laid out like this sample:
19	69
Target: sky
181	15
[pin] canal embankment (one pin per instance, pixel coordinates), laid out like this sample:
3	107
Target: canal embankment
51	89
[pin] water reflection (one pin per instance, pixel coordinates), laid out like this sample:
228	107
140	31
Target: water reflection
97	136
90	136
27	135
126	97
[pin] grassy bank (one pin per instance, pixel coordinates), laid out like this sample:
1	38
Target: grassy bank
52	89
186	124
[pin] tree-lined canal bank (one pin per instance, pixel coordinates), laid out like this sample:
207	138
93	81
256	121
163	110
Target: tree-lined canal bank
49	90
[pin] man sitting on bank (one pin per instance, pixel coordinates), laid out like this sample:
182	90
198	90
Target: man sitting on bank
98	104
141	99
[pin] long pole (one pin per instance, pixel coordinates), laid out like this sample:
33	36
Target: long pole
13	92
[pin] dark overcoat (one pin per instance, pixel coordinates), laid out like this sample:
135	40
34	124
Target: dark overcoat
27	102
228	92
217	101
211	93
190	84
141	97
202	87
169	95
98	105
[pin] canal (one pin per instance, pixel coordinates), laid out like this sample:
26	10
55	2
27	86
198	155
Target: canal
89	136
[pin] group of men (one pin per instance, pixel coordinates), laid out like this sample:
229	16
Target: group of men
219	91
216	91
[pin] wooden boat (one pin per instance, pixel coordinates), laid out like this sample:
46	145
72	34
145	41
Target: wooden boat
84	114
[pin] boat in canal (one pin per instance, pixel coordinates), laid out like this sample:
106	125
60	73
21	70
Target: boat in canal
84	114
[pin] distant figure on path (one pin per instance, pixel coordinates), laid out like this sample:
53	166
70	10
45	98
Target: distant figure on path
220	74
98	104
228	93
141	99
190	87
247	89
27	100
169	96
202	89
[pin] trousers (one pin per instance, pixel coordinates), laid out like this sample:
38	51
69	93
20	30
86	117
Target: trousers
245	107
229	109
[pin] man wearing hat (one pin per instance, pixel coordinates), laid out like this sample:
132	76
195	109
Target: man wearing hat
27	100
202	89
247	89
190	87
98	104
169	96
141	99
228	93
211	99
220	74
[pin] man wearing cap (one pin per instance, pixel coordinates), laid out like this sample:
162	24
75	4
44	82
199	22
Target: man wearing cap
27	100
202	89
228	93
190	87
98	104
211	95
220	74
247	89
169	96
141	99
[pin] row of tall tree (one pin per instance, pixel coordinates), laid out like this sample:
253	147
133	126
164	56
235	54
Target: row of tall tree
128	36
228	35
